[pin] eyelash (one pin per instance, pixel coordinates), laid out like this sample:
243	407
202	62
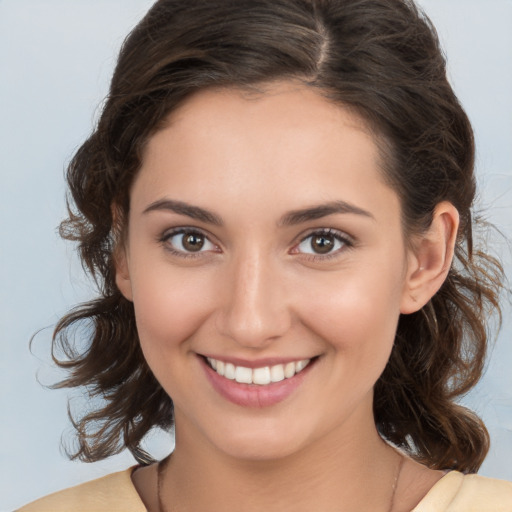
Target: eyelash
182	231
339	236
346	241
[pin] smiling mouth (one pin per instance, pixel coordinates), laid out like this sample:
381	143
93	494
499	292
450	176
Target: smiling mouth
259	376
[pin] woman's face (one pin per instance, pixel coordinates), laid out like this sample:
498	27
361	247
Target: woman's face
261	234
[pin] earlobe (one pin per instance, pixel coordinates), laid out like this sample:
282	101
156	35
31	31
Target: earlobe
430	259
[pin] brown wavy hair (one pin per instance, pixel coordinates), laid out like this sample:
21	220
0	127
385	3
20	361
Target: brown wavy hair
379	58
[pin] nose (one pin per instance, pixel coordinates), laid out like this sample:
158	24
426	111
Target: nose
254	310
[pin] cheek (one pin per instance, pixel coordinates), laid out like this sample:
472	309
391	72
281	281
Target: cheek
170	307
356	312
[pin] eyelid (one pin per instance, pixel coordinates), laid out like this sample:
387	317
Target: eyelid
169	233
347	240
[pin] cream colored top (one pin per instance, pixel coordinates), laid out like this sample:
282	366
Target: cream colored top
455	492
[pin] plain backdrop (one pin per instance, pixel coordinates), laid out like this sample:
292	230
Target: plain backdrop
56	57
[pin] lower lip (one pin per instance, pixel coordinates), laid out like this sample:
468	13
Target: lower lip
253	395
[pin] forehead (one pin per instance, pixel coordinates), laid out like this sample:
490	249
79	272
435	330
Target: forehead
282	107
288	142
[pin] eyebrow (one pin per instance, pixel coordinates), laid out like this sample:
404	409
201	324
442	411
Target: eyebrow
289	219
194	212
320	211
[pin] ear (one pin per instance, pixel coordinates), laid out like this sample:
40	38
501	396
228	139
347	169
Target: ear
430	258
123	281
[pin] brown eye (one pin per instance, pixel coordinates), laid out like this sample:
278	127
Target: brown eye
193	242
322	244
183	242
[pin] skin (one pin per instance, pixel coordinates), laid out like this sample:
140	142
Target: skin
257	289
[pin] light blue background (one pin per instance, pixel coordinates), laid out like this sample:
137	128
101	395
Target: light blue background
56	58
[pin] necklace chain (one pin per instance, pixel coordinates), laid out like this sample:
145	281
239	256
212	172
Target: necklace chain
163	464
395	483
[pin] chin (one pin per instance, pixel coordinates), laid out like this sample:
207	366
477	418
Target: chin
261	449
263	440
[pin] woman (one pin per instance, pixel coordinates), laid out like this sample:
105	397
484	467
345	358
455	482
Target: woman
277	205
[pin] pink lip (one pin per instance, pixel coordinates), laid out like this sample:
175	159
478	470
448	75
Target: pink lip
251	395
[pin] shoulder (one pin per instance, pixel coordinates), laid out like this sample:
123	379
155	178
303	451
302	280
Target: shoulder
114	492
456	492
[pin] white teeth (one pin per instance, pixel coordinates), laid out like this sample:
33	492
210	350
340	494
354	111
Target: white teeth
277	373
289	370
229	371
243	375
259	376
300	365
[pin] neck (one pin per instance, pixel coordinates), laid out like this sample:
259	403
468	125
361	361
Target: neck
333	473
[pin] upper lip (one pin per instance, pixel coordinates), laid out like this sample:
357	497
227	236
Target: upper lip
256	363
